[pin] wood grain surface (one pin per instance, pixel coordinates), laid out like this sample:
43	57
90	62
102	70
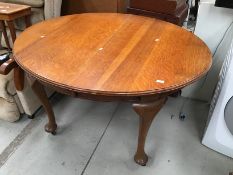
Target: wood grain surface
9	8
86	6
10	11
112	54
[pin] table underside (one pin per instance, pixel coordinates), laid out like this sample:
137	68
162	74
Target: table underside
145	106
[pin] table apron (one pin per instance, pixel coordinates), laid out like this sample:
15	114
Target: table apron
108	97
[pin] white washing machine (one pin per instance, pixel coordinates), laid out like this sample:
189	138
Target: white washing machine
219	131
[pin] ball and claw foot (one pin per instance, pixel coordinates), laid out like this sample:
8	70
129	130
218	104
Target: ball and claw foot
141	160
51	128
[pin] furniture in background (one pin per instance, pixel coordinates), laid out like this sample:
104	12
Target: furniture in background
114	57
13	102
84	6
9	13
174	11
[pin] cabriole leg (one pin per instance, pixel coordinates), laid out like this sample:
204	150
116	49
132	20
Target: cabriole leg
146	112
51	126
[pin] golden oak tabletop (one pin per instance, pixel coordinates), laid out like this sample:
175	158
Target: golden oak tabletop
116	54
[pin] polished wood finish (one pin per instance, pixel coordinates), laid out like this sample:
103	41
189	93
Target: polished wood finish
51	126
112	57
146	112
19	78
175	11
6	67
12	30
3	29
9	12
28	21
83	6
160	6
112	54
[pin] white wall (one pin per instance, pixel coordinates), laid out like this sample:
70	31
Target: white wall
212	23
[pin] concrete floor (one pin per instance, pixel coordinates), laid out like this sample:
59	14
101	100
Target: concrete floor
100	138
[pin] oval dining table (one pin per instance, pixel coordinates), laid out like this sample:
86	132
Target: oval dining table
111	57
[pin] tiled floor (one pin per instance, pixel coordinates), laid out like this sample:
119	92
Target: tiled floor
100	138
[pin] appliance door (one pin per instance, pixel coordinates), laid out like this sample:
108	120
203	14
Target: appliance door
228	115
